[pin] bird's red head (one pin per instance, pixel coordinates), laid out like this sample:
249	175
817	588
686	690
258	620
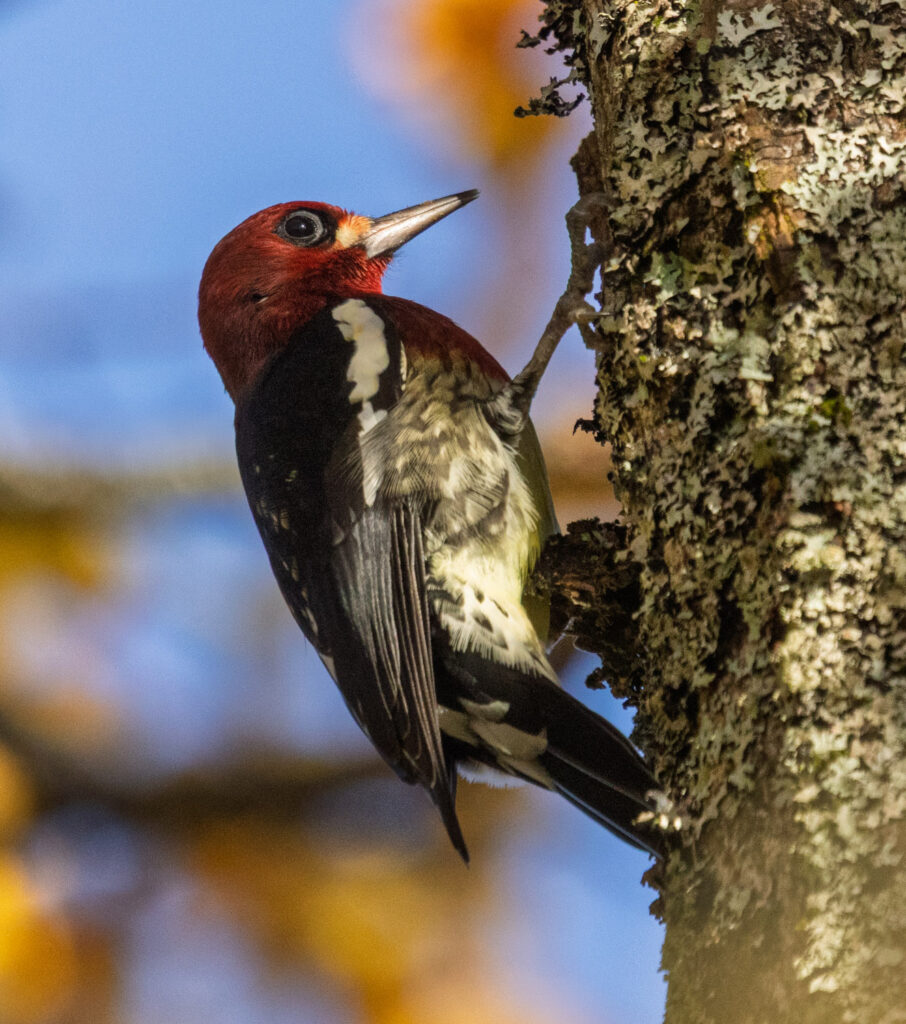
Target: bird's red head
282	265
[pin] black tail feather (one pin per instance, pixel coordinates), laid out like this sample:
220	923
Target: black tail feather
605	805
587	760
599	771
444	796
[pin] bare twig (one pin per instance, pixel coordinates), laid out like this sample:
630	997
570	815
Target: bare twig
514	401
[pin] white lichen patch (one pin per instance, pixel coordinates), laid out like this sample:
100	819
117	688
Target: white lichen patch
734	27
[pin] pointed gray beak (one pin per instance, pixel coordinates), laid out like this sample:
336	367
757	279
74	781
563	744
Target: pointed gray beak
388	233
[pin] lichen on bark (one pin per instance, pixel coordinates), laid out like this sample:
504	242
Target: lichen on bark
751	159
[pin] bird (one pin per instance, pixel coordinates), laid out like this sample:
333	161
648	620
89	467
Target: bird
399	488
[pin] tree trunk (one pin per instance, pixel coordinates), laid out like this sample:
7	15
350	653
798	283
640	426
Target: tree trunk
751	162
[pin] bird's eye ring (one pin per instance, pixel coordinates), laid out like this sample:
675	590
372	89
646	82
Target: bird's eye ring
303	227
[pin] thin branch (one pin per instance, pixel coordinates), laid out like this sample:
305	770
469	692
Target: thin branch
512	405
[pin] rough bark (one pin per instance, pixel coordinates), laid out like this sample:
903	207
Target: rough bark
751	163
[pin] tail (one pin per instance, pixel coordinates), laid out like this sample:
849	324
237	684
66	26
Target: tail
526	726
594	766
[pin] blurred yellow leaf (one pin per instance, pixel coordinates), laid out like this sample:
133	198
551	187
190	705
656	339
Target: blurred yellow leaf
37	965
16	796
55	543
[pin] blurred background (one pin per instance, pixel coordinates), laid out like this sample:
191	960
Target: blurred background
191	827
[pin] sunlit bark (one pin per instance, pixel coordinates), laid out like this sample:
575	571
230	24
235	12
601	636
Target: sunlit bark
750	160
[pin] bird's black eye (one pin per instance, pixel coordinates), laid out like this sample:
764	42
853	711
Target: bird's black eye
304	227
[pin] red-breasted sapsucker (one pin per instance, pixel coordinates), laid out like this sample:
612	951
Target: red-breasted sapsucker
402	498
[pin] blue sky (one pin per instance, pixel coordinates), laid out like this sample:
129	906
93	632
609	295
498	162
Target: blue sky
134	136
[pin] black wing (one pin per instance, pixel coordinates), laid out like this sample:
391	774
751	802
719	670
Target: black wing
383	661
350	565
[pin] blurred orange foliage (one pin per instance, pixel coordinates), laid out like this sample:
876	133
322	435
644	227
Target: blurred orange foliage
454	65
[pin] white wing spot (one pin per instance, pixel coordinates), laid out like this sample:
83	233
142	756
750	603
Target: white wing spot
360	324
